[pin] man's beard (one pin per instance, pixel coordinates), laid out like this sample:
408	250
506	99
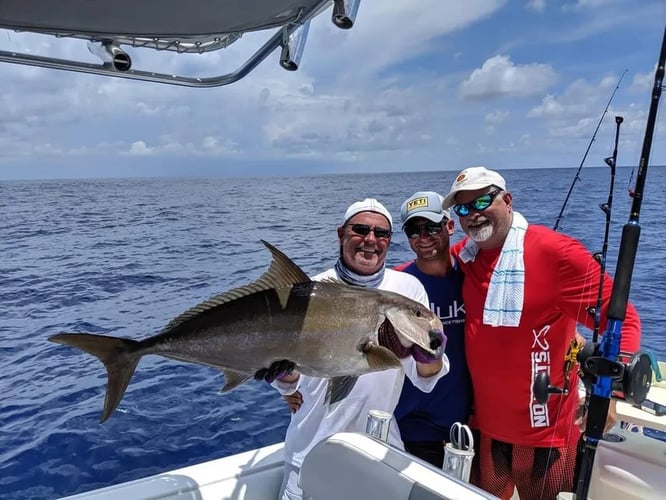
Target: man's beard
481	233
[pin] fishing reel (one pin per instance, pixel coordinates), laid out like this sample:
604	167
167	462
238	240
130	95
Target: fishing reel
541	386
631	374
631	378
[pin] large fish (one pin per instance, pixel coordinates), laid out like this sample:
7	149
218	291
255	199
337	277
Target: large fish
327	329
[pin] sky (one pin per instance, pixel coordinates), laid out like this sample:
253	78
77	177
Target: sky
414	86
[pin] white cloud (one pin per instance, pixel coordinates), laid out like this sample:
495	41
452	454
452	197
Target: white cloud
409	85
589	4
387	33
496	117
581	128
217	146
500	77
139	148
579	99
548	107
537	5
571	118
643	82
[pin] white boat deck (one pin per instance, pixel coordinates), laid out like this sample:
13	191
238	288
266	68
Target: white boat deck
252	475
357	467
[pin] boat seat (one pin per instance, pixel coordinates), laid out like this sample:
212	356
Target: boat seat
353	466
630	469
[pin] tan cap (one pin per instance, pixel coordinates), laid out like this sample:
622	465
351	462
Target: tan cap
471	179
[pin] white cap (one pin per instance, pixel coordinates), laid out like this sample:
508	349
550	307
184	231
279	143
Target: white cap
471	179
368	205
427	204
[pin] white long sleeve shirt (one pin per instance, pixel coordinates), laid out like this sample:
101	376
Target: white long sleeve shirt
315	421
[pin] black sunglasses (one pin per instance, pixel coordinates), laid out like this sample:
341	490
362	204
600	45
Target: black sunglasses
364	230
478	204
413	231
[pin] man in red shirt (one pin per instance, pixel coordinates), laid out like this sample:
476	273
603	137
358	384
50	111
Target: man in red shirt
525	289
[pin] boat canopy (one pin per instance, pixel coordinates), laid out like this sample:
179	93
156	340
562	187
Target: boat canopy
196	26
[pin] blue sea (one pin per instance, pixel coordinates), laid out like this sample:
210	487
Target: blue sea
124	256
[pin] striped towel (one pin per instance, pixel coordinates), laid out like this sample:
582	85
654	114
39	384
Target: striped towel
504	301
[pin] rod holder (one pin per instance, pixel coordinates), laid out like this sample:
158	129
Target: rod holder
344	13
378	424
293	45
111	54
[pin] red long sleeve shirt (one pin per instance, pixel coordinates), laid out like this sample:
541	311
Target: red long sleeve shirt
561	281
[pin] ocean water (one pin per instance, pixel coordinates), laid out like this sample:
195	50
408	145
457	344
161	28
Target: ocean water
124	256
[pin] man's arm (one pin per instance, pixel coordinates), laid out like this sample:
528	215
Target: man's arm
287	384
425	376
579	284
429	369
282	375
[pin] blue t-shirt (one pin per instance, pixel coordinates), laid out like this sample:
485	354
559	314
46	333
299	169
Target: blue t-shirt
428	416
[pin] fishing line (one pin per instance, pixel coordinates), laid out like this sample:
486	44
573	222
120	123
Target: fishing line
569	371
603	368
606	208
567	382
582	162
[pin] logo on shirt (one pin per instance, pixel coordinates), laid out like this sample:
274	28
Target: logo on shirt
540	358
454	313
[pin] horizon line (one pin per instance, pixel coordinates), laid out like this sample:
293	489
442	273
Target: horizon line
235	175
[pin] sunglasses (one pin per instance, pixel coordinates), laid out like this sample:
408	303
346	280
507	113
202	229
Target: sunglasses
364	230
478	204
413	231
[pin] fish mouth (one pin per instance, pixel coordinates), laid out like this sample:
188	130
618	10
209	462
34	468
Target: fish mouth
387	337
437	340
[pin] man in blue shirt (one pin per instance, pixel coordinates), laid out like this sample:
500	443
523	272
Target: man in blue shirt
425	419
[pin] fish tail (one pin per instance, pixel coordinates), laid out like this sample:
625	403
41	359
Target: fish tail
120	357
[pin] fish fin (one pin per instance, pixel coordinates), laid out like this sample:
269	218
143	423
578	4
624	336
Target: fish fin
380	358
233	378
283	271
120	358
281	274
338	388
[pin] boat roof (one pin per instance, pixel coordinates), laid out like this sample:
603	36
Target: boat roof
195	26
164	19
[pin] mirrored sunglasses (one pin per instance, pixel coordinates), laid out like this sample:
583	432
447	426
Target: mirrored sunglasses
478	204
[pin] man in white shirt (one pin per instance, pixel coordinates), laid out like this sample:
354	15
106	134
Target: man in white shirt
364	235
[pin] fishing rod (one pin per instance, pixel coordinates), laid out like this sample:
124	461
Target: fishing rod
541	385
580	167
600	361
606	208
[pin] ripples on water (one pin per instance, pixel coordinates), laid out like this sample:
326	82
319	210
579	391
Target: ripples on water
123	257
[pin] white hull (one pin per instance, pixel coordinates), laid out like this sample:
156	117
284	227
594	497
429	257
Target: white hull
252	475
